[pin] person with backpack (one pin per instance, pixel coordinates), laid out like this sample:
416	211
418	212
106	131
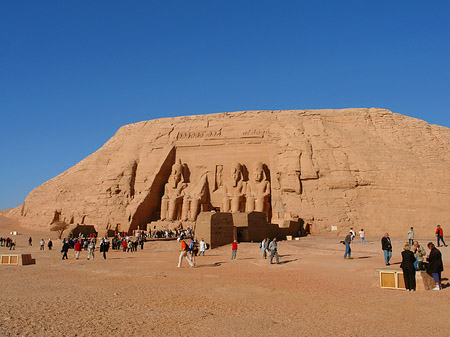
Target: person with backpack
184	253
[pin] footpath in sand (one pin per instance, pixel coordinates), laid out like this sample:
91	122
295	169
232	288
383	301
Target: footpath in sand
313	292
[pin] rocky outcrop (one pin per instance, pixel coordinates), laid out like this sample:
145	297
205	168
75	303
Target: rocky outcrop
366	168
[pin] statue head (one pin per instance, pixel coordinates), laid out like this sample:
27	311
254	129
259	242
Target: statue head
176	175
258	172
236	173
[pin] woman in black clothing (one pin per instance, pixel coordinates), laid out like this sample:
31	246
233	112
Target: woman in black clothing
435	265
409	272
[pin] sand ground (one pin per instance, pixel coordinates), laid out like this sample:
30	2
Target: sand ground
313	292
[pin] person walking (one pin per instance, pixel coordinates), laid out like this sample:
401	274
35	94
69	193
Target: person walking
263	247
91	249
192	249
435	265
104	247
50	244
42	244
77	249
362	236
202	247
386	246
184	253
273	248
234	247
440	235
30	241
65	249
411	236
407	265
347	243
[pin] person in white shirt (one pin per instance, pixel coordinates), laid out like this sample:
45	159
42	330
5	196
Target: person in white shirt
202	247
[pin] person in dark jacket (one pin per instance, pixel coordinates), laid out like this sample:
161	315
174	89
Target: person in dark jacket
409	272
386	246
435	265
347	243
104	247
65	249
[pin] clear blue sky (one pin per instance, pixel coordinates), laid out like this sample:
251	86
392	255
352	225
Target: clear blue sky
73	72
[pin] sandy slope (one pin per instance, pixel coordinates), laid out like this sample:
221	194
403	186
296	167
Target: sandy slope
314	292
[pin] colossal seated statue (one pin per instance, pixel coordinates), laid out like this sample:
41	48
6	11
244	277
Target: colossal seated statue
234	191
192	199
258	190
171	201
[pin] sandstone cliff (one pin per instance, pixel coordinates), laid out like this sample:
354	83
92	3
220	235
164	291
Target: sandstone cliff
366	168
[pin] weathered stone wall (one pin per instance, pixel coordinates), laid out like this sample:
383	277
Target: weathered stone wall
366	168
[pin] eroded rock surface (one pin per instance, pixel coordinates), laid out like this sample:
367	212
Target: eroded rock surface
366	168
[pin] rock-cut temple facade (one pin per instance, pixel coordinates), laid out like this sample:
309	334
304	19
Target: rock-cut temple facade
323	170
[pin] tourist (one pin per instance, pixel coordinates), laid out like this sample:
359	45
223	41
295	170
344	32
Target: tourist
440	235
234	248
30	241
184	253
202	247
130	246
77	249
12	244
362	236
267	246
91	249
419	254
347	243
411	236
50	244
124	245
273	248
409	272
435	265
263	247
104	247
65	249
192	249
387	248
352	232
42	244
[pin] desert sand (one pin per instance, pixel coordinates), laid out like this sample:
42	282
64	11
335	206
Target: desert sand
313	292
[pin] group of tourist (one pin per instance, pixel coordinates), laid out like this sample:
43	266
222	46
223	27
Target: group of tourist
191	250
42	243
414	256
170	233
8	243
270	248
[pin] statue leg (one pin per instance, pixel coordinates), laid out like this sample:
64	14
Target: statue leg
194	209
185	209
250	206
172	209
235	204
259	205
225	205
163	209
